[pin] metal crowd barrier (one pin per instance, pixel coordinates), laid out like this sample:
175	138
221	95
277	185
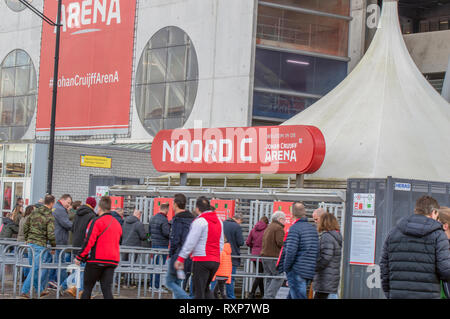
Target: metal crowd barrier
140	265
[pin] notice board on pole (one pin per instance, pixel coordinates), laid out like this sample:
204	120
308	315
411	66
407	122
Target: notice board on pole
157	206
224	208
364	204
363	241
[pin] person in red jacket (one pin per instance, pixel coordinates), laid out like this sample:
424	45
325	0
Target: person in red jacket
101	250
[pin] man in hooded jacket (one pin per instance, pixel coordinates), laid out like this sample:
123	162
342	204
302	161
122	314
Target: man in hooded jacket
133	230
83	216
181	224
416	255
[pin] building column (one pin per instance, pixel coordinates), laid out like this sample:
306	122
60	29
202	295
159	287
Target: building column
357	31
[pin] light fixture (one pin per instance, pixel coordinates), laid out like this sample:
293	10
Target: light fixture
297	62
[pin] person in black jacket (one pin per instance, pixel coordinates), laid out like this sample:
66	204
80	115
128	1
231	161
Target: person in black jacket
416	255
180	228
159	231
328	267
101	251
83	216
10	228
133	230
444	219
233	232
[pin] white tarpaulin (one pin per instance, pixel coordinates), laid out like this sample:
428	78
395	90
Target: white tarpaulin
384	119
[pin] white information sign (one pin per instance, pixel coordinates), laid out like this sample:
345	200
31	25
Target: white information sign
101	191
363	241
364	204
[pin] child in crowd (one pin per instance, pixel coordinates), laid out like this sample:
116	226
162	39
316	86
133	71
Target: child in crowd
223	274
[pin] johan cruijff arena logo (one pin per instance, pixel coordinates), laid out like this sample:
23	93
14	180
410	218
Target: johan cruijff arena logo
290	149
95	66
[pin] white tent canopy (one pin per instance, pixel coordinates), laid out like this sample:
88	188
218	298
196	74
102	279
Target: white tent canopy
384	119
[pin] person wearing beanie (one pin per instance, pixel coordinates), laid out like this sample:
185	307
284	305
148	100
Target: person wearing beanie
85	213
91	202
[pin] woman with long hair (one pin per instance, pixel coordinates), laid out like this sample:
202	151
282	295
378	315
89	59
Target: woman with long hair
328	267
28	211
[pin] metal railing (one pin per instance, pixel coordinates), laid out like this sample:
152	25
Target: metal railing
138	265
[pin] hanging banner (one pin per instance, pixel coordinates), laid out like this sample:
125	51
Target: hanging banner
116	202
157	206
95	67
286	208
224	208
290	149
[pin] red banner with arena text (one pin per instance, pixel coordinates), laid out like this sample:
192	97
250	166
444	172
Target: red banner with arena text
95	67
286	149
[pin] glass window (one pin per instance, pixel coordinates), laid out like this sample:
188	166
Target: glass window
18	94
301	31
166	80
279	106
341	7
16	159
1	160
15	5
295	72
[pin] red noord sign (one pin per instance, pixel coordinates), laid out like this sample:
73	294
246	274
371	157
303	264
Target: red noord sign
290	149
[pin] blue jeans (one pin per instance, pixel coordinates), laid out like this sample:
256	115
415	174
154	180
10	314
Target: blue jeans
297	286
64	284
229	287
44	274
54	272
156	263
174	284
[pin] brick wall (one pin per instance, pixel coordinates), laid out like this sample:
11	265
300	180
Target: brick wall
69	177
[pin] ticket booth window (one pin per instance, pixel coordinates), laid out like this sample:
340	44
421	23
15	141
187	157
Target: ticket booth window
16	160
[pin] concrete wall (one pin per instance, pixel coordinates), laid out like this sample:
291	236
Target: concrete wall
356	33
22	30
430	50
222	32
69	177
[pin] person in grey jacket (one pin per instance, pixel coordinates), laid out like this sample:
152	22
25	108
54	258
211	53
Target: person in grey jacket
416	255
328	267
133	230
62	227
62	222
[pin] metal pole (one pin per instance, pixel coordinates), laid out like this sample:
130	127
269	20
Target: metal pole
51	148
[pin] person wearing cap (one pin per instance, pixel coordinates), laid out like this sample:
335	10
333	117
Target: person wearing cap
84	215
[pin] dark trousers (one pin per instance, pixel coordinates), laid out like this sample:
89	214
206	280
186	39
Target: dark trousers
258	282
94	273
320	295
203	273
220	289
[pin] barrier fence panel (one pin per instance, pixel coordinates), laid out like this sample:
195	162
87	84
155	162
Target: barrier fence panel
392	199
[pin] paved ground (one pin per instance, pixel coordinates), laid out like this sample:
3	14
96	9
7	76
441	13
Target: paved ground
130	292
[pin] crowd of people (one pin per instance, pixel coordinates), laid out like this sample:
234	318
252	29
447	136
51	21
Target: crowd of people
204	250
